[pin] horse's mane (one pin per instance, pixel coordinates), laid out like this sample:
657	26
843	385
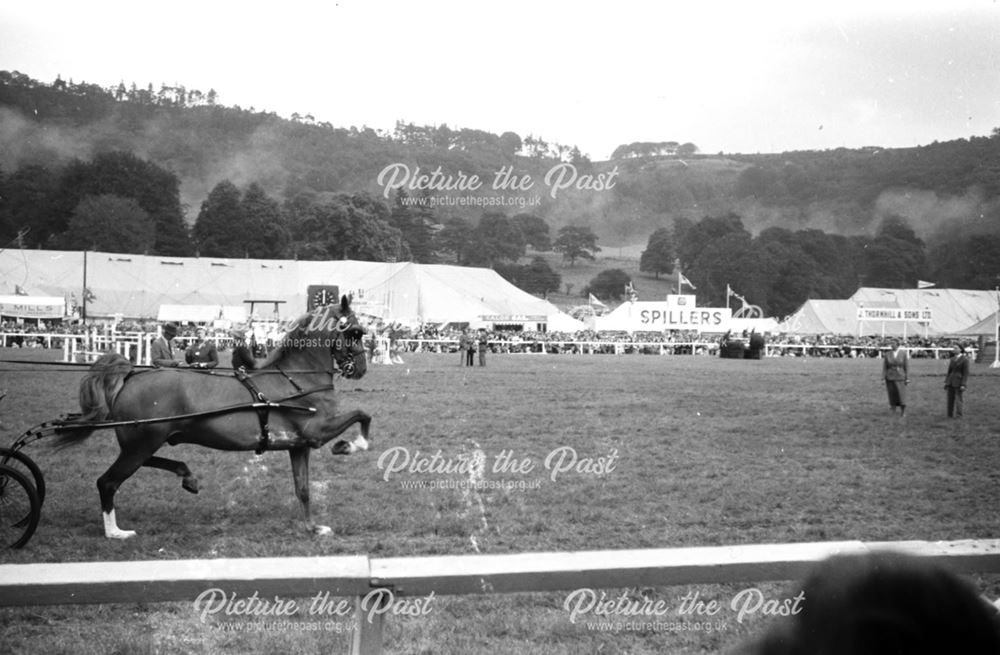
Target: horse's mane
282	350
311	325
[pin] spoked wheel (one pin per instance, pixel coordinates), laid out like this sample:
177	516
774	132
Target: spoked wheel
20	508
19	461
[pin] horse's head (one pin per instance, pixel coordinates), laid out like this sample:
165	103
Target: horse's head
328	332
347	341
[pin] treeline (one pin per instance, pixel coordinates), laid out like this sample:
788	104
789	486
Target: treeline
779	269
191	133
950	168
120	203
654	149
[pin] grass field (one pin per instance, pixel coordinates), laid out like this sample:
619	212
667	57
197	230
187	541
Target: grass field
685	451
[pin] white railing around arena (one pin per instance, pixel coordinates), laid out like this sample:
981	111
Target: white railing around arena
358	575
136	345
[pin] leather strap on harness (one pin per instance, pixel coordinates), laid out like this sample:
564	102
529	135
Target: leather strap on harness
262	407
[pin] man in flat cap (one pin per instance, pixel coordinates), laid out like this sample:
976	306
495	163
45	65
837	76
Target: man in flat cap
162	353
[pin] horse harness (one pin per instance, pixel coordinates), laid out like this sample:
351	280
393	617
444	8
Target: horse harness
262	406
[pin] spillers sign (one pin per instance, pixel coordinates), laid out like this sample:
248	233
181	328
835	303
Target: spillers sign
678	313
661	316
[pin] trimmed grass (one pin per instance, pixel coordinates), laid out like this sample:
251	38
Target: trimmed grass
705	451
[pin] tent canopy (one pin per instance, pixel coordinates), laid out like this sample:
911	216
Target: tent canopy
823	317
987	326
202	313
952	311
136	286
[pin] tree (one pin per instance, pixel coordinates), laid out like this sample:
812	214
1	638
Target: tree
264	234
686	149
535	231
456	236
576	242
27	206
608	284
895	258
725	260
347	226
510	144
693	238
415	222
218	227
123	174
658	257
111	224
967	262
537	277
496	238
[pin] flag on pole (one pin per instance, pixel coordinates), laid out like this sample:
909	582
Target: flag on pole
683	280
924	285
594	301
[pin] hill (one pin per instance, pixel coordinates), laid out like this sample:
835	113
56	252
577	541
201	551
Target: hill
203	143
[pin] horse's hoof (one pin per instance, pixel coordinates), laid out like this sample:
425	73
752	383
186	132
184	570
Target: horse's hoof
120	534
190	484
321	530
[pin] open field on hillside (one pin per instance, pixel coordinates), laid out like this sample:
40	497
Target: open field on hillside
703	451
582	272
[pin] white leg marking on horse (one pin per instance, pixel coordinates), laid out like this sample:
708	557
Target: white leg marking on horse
111	530
359	443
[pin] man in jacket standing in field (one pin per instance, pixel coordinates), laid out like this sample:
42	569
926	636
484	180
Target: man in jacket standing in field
160	352
955	380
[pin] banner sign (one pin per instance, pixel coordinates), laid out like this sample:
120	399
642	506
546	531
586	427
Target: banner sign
32	306
893	314
513	318
659	316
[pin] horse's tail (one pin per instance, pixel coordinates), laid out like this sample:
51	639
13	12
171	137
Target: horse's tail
98	390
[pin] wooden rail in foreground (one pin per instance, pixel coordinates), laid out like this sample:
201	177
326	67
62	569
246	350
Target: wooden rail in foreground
357	576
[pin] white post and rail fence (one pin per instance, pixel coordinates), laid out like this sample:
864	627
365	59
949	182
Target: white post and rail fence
356	577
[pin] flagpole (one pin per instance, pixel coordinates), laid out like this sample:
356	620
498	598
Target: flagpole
996	333
83	310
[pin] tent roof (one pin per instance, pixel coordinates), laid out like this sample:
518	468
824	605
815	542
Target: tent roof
987	326
823	317
137	285
202	313
952	311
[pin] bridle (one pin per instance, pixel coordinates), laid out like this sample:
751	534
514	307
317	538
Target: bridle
340	346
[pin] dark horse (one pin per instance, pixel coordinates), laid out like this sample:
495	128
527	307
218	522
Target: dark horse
287	404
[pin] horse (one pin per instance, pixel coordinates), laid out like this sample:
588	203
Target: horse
288	403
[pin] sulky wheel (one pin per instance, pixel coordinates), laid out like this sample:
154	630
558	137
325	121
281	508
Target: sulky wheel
20	508
19	461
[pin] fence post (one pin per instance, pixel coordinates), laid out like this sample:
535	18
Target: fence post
368	628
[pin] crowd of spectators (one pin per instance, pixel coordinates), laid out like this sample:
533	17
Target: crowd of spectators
677	342
432	338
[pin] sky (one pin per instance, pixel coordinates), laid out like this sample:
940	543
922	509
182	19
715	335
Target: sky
734	77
